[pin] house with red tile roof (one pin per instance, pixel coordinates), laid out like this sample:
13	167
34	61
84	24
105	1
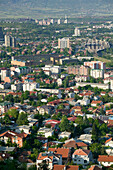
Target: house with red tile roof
109	142
50	158
105	160
82	156
64	167
66	153
76	145
14	137
95	167
94	103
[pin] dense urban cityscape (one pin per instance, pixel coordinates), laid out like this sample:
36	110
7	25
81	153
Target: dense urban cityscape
56	93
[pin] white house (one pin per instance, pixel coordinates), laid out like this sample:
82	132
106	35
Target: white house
50	158
105	160
46	131
24	128
82	157
109	143
64	134
85	138
59	81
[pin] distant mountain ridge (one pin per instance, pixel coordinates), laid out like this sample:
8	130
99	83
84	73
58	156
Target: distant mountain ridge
38	8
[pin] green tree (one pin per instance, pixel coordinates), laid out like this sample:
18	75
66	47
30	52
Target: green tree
95	132
22	119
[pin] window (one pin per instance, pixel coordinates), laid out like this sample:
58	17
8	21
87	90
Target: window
75	160
85	161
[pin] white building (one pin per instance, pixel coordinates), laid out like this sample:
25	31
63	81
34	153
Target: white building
52	69
82	157
105	160
46	131
30	86
64	134
76	32
97	73
109	143
23	70
63	43
50	158
99	85
5	73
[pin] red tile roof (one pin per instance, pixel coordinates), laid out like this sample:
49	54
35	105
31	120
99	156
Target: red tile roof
62	151
105	158
81	152
69	167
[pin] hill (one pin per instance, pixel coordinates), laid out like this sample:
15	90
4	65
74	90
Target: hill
53	8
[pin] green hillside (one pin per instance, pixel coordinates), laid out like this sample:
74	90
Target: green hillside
53	8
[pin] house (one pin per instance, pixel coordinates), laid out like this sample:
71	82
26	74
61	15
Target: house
109	143
46	131
50	158
59	81
54	123
65	167
105	160
72	144
64	134
95	167
5	149
42	139
85	138
66	153
24	128
85	101
14	137
96	103
82	157
4	107
46	109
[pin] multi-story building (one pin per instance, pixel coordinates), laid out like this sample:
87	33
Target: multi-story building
76	32
17	87
52	69
79	70
1	34
63	43
97	73
30	86
5	73
10	41
23	70
97	68
4	107
95	65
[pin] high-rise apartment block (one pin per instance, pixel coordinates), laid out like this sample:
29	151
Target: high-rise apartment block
97	68
78	70
76	32
95	65
63	43
1	34
10	41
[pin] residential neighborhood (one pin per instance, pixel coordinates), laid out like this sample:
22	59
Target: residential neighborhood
56	95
